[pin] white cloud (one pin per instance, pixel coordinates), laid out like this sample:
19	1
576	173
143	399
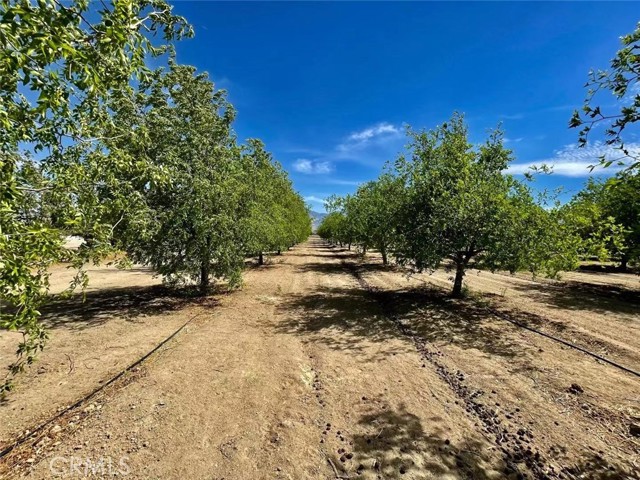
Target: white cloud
351	183
314	199
513	140
376	137
574	161
632	92
379	129
303	165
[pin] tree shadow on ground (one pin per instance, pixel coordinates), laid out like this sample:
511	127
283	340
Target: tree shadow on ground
98	307
593	466
439	319
345	317
393	442
269	263
324	268
573	295
604	269
373	268
310	255
336	267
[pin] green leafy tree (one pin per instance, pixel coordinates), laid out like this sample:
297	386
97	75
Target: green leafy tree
587	216
222	201
333	227
60	66
622	81
606	217
462	209
622	202
193	226
374	211
278	217
297	218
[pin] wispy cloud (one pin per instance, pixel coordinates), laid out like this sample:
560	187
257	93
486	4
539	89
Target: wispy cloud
371	147
632	92
574	161
223	83
513	140
314	199
350	183
379	129
378	135
304	165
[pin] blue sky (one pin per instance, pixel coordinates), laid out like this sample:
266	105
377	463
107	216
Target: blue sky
329	87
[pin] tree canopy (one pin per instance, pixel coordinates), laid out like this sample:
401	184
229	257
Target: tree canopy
605	215
450	203
58	73
97	144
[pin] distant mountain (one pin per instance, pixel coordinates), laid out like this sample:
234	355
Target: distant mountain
316	218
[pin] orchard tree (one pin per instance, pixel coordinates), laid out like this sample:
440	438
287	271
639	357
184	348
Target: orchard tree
375	210
622	202
193	226
278	217
337	229
353	226
264	229
297	218
460	207
621	80
606	217
222	201
333	227
599	233
60	64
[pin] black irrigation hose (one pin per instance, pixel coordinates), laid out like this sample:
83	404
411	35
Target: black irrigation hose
560	340
565	342
8	449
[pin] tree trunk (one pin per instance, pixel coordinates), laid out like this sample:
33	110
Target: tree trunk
279	252
205	267
457	283
204	277
624	264
260	259
383	251
349	246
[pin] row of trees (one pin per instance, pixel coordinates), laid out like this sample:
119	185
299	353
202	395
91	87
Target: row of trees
606	217
95	143
222	201
450	203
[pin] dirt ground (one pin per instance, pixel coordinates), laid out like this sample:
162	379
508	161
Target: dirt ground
326	365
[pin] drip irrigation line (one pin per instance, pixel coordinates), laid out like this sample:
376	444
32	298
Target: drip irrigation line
33	433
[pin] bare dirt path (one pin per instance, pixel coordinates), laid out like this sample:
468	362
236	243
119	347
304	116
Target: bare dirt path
323	368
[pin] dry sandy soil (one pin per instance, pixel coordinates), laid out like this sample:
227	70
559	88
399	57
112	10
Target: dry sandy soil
326	365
